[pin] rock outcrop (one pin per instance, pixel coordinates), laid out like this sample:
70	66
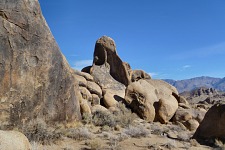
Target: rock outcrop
213	124
13	140
105	54
109	71
152	100
140	97
36	80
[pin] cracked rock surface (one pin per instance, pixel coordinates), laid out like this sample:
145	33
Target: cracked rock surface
35	78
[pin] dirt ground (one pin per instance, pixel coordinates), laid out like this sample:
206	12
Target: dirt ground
153	136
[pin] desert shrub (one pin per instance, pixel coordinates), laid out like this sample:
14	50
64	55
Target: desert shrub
184	136
106	128
103	118
171	144
114	144
36	146
136	131
157	129
94	144
81	133
219	144
174	127
194	142
37	130
86	118
124	117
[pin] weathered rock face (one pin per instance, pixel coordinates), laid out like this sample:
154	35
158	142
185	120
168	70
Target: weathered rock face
168	104
105	54
139	74
36	80
109	71
11	140
166	109
141	96
213	124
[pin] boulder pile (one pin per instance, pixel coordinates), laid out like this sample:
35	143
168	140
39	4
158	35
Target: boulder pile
110	80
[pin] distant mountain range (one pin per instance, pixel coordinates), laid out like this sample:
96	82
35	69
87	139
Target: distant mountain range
193	83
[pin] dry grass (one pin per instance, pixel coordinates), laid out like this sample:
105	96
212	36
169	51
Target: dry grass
94	144
81	133
102	118
37	130
137	131
219	145
123	117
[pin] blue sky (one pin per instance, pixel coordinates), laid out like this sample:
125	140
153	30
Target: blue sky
176	39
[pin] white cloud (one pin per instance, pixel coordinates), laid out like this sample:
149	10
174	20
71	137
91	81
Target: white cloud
186	67
79	65
152	74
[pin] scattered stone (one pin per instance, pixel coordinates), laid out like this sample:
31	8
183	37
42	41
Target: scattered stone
182	115
191	124
185	106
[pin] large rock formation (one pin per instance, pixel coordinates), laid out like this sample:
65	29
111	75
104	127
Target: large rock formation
36	79
152	100
213	124
105	54
140	97
109	71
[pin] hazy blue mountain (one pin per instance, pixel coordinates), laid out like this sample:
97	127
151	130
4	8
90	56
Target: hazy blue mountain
193	83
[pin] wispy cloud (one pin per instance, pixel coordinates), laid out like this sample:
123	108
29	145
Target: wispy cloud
79	65
153	74
158	75
185	67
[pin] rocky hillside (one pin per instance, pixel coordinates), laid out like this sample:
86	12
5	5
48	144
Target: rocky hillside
41	96
194	83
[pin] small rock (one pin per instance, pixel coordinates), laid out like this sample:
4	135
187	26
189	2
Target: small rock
87	76
109	99
185	106
85	108
98	108
191	124
81	80
94	88
85	93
